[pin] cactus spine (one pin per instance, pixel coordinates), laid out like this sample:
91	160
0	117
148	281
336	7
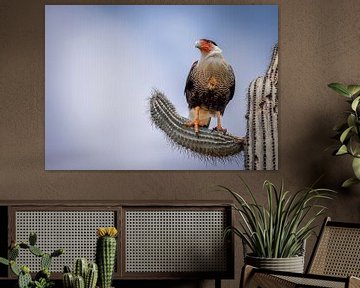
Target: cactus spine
208	143
85	275
106	254
261	151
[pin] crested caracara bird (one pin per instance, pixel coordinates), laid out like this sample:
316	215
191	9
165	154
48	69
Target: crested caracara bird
209	87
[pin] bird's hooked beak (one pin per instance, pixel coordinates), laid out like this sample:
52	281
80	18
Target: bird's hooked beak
197	44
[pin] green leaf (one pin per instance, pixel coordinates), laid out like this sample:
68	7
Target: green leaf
279	228
345	134
355	103
349	182
354	145
351	120
353	89
4	261
356	167
14	268
340	88
342	150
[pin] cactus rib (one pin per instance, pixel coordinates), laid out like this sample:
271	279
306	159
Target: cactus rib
91	276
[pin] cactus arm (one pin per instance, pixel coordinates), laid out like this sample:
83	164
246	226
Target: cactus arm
208	143
13	253
24	245
36	251
79	282
57	252
24	280
91	276
68	280
80	268
32	239
45	261
67	269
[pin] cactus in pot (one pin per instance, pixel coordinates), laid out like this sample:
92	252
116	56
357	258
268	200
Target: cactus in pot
42	278
106	254
85	275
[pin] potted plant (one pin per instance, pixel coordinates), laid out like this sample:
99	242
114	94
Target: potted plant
42	278
348	132
276	233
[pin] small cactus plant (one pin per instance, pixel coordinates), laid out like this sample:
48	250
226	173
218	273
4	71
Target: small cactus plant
42	278
106	254
85	275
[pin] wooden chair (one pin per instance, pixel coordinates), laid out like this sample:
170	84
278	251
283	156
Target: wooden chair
335	262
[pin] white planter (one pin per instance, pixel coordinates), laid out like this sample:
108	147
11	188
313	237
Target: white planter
291	264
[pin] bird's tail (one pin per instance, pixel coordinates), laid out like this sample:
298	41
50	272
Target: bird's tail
204	117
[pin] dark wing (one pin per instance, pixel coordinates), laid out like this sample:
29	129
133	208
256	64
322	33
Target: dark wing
232	87
189	86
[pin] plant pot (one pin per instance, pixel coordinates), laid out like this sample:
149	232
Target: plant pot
291	264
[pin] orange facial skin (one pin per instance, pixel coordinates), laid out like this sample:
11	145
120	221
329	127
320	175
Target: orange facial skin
205	46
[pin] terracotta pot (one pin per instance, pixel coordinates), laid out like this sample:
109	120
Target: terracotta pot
291	264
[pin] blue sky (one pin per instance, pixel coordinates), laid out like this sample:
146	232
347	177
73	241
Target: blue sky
102	62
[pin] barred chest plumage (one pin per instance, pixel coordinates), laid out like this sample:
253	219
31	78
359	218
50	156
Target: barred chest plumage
211	85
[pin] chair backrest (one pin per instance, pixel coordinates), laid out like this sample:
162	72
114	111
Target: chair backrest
337	251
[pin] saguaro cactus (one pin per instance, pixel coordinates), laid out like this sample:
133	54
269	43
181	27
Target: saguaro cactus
106	254
260	144
261	151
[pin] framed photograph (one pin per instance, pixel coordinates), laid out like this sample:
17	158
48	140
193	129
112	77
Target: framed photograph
161	87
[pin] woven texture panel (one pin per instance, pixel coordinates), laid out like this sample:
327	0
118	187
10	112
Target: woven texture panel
338	253
175	241
309	282
75	231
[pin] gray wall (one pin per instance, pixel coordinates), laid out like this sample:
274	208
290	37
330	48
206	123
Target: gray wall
319	43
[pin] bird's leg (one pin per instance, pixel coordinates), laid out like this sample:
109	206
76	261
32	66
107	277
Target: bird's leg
195	123
218	125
